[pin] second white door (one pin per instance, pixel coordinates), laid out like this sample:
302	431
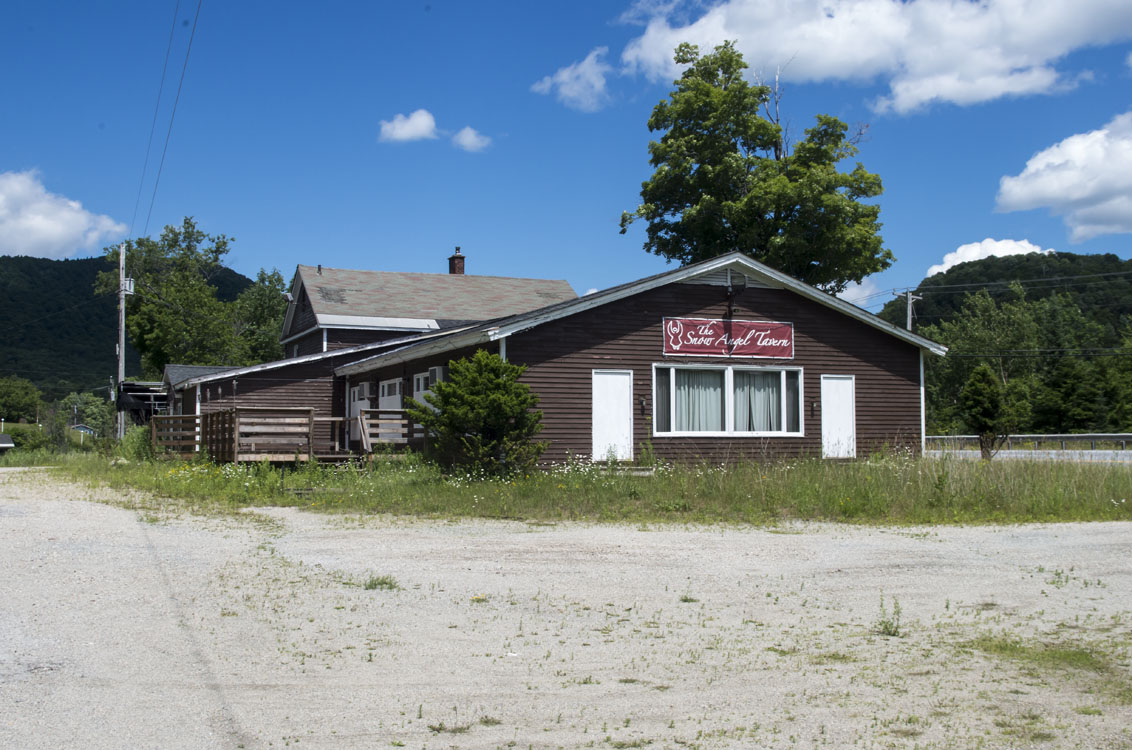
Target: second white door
613	415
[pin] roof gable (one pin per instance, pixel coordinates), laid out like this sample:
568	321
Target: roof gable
724	269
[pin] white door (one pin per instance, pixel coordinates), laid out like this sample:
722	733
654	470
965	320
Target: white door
838	417
389	397
613	415
358	402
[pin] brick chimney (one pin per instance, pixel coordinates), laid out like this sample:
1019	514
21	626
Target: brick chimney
456	263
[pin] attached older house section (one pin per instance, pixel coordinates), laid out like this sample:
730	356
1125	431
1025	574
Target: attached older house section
334	308
723	360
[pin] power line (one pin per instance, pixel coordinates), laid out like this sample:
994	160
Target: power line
98	298
1024	282
156	107
1037	283
172	117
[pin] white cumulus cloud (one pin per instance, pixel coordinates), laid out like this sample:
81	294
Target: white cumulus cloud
985	249
46	225
861	293
927	51
471	139
1086	178
580	85
418	126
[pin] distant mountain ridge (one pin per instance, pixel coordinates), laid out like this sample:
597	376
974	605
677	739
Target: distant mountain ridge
1104	295
56	333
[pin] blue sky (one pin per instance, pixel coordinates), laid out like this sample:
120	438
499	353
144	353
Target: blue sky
381	135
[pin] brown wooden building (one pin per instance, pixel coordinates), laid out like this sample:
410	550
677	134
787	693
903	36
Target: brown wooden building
722	360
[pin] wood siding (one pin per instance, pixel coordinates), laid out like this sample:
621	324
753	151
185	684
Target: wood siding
304	314
626	335
340	338
308	384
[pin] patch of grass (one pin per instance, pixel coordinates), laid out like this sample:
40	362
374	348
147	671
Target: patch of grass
1041	655
489	721
386	583
688	599
832	657
885	489
442	728
1108	677
1088	711
629	743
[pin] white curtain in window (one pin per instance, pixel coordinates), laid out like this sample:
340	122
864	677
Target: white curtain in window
699	400
757	401
663	401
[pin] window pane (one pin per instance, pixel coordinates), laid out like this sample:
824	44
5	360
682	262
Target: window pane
663	404
758	401
793	406
699	400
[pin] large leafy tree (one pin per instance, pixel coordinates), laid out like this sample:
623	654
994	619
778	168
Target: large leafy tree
175	314
727	179
19	399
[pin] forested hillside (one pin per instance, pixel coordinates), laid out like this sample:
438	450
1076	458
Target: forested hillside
1055	331
58	333
1101	285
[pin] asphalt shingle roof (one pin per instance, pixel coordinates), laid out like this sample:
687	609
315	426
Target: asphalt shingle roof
436	296
176	374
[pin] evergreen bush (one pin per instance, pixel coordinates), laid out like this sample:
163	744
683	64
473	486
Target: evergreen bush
482	419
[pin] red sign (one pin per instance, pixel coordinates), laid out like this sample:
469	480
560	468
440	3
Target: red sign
702	337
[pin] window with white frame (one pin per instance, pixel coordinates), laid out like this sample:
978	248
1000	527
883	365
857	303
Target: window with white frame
726	400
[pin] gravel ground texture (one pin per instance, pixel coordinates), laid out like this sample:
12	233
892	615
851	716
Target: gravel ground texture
127	623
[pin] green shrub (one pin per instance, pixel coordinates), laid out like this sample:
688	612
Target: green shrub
136	445
484	420
29	437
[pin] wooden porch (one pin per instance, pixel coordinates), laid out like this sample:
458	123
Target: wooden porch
282	435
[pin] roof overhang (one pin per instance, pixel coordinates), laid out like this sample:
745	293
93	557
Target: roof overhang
359	349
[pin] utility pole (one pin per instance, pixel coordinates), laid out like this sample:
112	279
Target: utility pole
122	292
911	298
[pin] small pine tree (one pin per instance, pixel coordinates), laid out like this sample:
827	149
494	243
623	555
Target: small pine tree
984	409
482	419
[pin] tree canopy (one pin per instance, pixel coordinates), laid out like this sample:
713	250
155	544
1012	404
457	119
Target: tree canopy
176	314
727	179
1051	361
19	399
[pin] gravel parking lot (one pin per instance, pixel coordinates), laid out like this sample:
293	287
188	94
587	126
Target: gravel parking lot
126	623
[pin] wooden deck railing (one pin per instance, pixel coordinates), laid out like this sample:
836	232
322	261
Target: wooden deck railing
387	427
280	434
268	434
175	433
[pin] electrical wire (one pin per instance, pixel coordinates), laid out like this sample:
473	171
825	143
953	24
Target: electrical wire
156	107
172	117
1037	283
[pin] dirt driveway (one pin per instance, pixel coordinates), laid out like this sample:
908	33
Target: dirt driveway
144	628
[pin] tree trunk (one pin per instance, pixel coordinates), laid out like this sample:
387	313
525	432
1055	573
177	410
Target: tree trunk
987	445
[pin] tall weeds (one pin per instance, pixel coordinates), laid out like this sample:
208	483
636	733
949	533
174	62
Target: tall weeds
887	489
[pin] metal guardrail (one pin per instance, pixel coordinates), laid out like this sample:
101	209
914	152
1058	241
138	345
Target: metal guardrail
1115	440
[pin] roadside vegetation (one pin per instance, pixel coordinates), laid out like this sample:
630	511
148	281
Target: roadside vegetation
885	489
